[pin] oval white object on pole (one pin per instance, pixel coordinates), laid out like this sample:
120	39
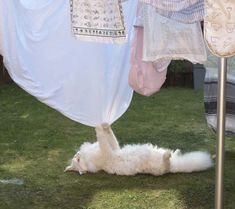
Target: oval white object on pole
219	27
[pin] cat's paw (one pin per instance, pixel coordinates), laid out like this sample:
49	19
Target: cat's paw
106	127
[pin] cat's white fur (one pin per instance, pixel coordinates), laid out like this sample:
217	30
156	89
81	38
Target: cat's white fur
105	154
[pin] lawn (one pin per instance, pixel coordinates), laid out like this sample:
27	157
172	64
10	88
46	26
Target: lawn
36	143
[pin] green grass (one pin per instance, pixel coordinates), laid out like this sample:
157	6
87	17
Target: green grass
37	142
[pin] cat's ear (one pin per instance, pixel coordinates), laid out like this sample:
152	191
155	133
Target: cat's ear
77	154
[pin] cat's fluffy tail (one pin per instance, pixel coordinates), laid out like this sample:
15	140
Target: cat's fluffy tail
189	162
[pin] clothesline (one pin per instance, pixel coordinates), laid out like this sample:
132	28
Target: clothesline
88	81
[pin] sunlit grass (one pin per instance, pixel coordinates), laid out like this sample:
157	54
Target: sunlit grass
37	142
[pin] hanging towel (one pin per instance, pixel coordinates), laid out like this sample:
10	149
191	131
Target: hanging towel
98	20
145	78
190	14
167	38
219	27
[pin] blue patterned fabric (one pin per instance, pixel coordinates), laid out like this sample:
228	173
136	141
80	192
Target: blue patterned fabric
189	14
210	94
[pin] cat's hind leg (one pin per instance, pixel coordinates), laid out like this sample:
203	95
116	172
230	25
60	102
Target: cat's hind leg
166	161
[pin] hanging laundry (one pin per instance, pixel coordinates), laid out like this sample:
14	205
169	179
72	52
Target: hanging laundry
145	78
219	27
191	14
87	82
171	5
98	20
139	20
210	94
167	38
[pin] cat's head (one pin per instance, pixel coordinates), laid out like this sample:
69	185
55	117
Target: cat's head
77	164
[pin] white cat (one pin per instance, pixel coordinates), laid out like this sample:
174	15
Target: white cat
132	159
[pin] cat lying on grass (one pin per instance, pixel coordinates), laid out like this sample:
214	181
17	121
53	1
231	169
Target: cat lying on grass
106	155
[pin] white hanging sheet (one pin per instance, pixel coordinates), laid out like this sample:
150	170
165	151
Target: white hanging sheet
87	82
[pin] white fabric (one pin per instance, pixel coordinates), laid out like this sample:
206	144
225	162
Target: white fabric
87	82
167	38
219	27
98	20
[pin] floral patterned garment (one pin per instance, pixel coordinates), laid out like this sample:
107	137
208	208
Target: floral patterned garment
98	20
219	27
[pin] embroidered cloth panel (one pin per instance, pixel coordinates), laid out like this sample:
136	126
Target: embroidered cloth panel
98	20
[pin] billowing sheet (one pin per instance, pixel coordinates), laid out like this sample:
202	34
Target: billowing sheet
87	82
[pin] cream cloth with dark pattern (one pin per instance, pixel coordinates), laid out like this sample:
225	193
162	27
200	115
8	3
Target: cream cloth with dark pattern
98	20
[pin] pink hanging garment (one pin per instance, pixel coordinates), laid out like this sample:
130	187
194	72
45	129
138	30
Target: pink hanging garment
145	78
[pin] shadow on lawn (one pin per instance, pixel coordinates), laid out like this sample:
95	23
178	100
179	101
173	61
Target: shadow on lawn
70	190
196	190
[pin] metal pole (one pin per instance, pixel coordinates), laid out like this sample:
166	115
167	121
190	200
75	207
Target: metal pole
221	107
